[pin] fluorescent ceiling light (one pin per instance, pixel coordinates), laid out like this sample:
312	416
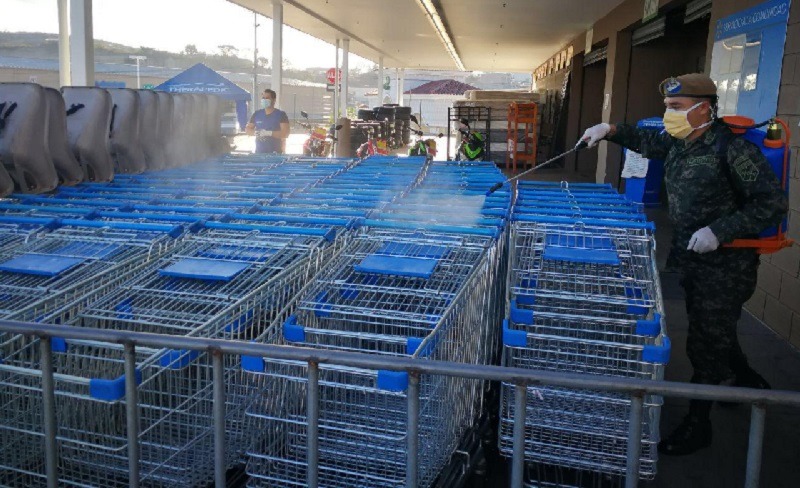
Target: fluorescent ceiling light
433	16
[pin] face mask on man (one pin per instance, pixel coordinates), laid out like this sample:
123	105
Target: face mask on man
266	103
676	122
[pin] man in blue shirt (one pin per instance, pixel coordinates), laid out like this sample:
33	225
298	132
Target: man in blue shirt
270	126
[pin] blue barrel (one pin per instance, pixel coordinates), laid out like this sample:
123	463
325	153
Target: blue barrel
647	190
775	158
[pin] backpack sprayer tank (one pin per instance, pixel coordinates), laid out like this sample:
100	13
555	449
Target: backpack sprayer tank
775	148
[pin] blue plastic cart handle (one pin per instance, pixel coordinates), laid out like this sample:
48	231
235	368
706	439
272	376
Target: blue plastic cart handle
286	218
148	216
326	233
598	223
54	209
387	224
48	222
172	230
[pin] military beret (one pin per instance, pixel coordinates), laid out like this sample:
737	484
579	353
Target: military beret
689	85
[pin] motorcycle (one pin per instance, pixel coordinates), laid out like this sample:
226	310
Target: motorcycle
422	147
320	142
473	143
373	146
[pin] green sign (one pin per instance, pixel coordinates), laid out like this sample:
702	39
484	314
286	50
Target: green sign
650	10
387	82
148	86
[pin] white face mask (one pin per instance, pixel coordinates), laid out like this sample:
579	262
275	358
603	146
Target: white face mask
266	103
676	122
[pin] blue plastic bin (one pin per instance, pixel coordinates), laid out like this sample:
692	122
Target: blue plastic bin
647	190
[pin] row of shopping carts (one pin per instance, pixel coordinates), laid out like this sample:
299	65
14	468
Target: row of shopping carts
583	296
406	285
208	252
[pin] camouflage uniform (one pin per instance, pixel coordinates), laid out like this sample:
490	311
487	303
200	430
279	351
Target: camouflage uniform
700	194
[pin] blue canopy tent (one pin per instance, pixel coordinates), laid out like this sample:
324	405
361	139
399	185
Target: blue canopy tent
202	79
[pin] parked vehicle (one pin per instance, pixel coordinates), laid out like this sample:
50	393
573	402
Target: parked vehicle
422	147
321	141
229	125
373	145
473	143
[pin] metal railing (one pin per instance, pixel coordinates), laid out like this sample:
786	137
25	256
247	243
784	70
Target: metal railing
521	378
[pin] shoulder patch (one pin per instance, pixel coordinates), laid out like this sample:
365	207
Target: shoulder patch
746	169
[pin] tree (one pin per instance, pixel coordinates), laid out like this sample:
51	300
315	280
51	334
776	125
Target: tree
191	50
226	50
263	62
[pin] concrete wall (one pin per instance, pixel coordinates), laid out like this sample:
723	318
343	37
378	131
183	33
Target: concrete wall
777	299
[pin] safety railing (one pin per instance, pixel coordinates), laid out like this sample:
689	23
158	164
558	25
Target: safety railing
521	378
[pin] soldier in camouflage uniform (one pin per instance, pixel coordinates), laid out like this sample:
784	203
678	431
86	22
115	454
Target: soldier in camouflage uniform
709	205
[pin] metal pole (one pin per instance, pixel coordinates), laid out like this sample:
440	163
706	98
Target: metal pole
81	43
345	75
758	414
634	441
336	85
412	439
380	81
132	414
63	43
518	459
219	418
138	78
277	50
312	412
255	61
49	412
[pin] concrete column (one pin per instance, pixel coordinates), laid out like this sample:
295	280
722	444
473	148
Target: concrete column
81	43
64	75
401	80
380	80
615	96
336	86
277	49
574	124
345	74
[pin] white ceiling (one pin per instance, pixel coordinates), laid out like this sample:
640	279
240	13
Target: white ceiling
489	35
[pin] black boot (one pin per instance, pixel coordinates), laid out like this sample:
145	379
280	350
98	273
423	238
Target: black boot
690	436
747	378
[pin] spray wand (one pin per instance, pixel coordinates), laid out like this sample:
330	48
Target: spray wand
497	186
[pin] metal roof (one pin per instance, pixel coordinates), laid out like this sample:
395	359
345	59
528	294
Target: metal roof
488	35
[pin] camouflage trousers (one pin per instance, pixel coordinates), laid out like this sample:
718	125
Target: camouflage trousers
714	298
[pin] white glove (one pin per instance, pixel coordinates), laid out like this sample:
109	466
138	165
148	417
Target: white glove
703	241
595	134
264	133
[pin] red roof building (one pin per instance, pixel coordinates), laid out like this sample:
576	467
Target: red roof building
441	87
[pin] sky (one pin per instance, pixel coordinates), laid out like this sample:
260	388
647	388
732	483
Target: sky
170	25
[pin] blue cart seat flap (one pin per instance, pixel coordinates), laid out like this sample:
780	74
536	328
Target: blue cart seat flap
178	358
657	354
87	250
253	363
513	338
519	315
649	328
580	240
413	346
292	331
322	307
415	250
577	255
397	266
204	269
40	264
238	253
110	390
392	380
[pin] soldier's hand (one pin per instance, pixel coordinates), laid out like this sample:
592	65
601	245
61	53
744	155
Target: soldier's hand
703	241
595	134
